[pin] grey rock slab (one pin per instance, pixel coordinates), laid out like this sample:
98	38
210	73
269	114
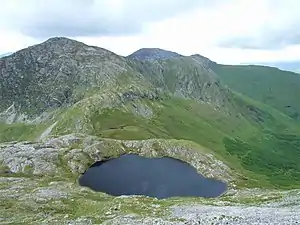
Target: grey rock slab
238	215
133	220
38	159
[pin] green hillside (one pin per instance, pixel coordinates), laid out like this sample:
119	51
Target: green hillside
274	87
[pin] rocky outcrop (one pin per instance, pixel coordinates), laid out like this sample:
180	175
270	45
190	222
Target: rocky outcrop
237	215
185	77
26	157
75	153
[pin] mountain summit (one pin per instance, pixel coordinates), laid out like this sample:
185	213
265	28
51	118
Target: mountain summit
152	54
55	73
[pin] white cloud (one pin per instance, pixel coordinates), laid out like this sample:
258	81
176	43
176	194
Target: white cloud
276	23
11	41
233	31
239	55
43	18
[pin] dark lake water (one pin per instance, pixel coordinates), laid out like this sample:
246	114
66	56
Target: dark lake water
155	177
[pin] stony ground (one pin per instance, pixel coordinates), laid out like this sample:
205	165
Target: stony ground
42	200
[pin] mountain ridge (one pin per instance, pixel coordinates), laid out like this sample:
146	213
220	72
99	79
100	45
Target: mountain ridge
292	66
63	63
57	63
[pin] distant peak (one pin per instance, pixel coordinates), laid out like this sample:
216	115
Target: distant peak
55	39
155	50
62	46
60	40
202	59
199	56
153	54
57	44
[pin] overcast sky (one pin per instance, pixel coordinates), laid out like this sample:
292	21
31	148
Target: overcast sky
226	31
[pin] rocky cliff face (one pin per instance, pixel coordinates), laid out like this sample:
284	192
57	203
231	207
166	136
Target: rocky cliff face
57	73
74	153
186	77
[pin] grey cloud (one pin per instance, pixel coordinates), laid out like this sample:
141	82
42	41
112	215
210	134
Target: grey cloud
268	39
43	18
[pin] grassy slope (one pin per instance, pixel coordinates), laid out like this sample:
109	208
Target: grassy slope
255	139
20	132
281	145
277	88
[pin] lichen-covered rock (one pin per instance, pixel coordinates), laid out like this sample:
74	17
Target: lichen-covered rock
133	220
74	153
29	158
238	215
45	194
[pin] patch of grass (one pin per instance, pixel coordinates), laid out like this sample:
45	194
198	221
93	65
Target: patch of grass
274	155
28	169
20	132
123	125
67	122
